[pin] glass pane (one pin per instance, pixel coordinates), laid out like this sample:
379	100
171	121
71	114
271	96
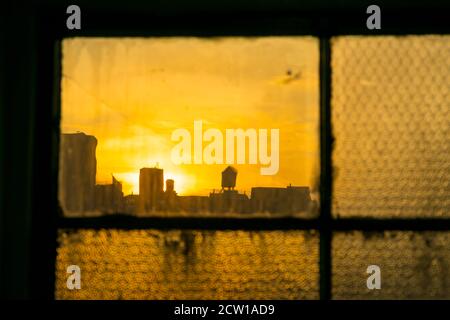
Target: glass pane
151	264
413	265
189	126
390	117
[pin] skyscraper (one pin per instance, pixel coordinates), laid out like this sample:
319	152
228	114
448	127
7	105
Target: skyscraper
151	185
77	171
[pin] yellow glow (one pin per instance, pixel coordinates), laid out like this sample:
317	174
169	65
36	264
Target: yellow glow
131	93
130	181
181	182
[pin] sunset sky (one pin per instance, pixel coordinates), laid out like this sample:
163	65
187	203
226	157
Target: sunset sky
132	93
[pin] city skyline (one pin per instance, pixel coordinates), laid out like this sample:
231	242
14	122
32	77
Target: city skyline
80	193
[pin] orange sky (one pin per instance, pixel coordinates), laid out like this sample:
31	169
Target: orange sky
132	93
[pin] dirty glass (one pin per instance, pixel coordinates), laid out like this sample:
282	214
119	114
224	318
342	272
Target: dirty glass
414	265
189	127
189	264
390	117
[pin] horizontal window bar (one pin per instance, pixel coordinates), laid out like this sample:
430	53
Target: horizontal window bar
221	223
212	223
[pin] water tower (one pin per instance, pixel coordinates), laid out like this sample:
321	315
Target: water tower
229	178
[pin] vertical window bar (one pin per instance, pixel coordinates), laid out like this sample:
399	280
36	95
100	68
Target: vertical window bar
325	172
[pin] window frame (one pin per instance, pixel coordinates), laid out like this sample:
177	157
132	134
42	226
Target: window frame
205	21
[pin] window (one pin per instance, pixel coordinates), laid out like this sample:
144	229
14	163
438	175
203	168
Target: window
382	107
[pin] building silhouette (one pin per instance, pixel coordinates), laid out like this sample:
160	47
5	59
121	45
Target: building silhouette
109	197
280	200
170	186
77	172
230	201
151	185
171	201
131	204
194	204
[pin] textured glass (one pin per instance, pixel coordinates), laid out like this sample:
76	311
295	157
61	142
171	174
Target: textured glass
390	117
176	264
414	265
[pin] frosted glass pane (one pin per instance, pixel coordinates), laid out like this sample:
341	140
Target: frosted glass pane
177	264
390	117
413	265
